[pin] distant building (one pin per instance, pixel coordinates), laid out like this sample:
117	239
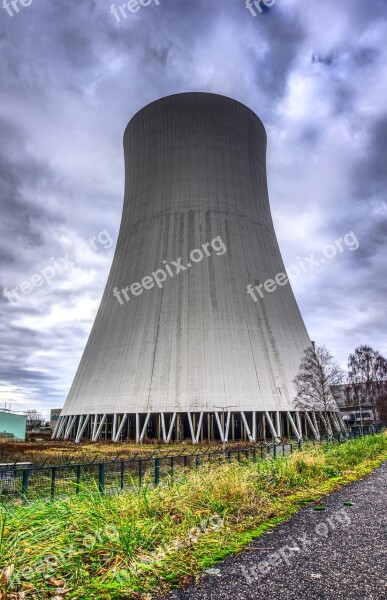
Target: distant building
54	416
12	425
356	409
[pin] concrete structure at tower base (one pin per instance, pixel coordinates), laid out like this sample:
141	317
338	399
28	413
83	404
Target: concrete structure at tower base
201	427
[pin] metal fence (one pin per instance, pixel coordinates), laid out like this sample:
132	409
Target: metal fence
25	482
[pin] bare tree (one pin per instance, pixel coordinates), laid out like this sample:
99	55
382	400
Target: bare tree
368	379
318	372
34	420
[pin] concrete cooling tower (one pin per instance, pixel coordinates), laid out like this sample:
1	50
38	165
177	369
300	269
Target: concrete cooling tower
198	335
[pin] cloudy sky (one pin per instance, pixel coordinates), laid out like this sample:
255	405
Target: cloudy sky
72	76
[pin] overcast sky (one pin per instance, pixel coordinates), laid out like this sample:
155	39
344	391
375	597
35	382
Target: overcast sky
71	78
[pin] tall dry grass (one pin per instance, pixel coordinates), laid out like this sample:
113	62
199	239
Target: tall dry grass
126	545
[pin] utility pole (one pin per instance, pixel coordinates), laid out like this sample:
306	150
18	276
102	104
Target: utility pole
360	412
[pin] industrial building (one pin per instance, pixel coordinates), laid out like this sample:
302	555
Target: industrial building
180	350
356	406
54	417
12	425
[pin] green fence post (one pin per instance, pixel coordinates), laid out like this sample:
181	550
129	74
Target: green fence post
274	450
25	479
101	478
197	462
53	478
122	475
254	454
172	463
78	479
140	472
157	471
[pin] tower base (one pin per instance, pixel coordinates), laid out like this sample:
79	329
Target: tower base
199	427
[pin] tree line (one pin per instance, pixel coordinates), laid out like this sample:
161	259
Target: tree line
321	383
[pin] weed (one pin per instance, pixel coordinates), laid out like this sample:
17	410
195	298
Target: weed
150	540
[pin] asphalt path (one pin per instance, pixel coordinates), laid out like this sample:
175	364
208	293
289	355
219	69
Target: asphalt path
339	553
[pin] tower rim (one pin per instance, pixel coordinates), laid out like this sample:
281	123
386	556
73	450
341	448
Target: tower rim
193	93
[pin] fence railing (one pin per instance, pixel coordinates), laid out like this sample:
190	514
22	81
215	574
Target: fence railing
28	482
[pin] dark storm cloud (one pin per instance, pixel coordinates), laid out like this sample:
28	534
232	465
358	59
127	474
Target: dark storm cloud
71	79
371	172
19	172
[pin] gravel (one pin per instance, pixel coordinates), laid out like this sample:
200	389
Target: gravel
339	553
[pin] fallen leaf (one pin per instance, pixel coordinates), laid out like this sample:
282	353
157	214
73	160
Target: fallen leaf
57	582
6	573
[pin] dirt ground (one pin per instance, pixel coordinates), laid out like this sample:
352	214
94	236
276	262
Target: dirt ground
59	452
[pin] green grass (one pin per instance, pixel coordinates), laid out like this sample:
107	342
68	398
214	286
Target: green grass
135	544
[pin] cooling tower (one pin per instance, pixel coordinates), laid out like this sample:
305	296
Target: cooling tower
190	340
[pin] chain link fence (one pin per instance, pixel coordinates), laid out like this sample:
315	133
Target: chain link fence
23	482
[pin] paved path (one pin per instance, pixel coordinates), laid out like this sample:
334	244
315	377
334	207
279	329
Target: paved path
336	554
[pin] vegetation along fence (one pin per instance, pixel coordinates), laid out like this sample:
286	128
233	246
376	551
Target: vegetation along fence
24	482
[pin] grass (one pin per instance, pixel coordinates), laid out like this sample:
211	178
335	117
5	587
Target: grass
135	545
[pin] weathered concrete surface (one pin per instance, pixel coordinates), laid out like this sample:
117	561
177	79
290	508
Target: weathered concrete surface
342	553
195	170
